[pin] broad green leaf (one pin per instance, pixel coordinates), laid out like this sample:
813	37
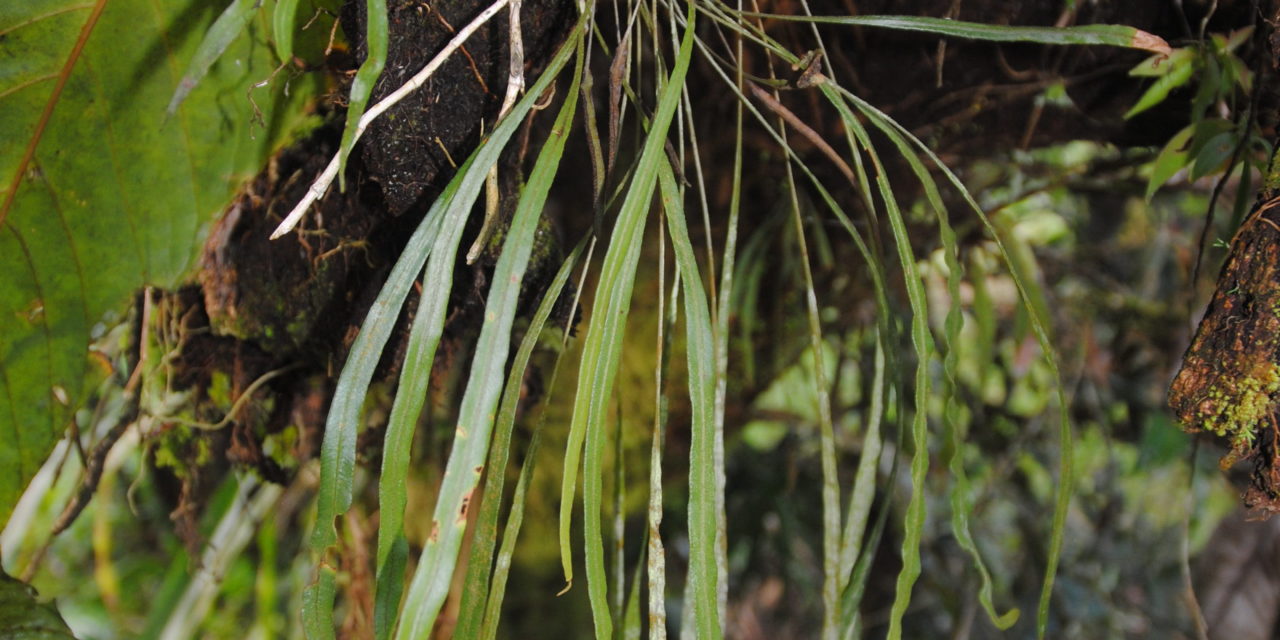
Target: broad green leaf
1173	157
102	192
1206	130
22	617
1113	35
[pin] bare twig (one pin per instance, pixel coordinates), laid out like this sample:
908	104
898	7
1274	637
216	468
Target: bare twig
321	184
802	128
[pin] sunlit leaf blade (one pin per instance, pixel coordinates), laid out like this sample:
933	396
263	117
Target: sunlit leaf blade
221	34
603	344
433	576
102	193
366	77
1092	34
700	348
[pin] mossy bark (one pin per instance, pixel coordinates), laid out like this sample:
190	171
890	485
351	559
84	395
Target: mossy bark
1229	383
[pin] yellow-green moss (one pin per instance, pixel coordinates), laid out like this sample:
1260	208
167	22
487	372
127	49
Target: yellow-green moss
1235	412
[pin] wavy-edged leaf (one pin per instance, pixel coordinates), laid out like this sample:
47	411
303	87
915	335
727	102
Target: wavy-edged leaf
1032	298
961	506
922	343
102	193
603	345
1112	35
700	352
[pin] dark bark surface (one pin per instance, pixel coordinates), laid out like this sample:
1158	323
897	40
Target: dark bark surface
1230	374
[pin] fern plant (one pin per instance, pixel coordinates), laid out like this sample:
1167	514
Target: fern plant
652	185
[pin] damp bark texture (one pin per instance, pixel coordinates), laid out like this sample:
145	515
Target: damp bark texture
1229	382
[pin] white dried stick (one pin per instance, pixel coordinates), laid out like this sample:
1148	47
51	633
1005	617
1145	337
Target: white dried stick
515	84
321	184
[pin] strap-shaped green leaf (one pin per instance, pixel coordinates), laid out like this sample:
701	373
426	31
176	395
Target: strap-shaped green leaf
338	450
283	22
434	574
375	38
700	352
961	505
501	308
602	348
1031	296
1112	35
224	31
